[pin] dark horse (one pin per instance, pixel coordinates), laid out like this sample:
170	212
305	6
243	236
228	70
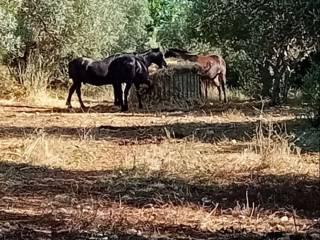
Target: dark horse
129	68
212	68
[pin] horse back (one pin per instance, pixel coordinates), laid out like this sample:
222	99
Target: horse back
89	71
212	65
122	68
129	69
216	59
99	68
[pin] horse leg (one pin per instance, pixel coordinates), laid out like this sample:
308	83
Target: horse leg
223	82
224	93
116	98
118	93
71	91
126	93
138	94
219	90
206	89
78	90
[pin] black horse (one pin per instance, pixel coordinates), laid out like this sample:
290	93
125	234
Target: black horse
116	69
144	60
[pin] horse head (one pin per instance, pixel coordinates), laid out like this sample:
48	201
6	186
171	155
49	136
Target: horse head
160	60
146	87
154	56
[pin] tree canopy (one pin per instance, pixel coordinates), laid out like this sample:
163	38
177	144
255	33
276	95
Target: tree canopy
263	41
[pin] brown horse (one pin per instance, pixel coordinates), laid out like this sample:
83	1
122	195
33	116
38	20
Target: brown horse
212	68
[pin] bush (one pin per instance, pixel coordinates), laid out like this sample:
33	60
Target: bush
311	93
241	73
9	42
169	26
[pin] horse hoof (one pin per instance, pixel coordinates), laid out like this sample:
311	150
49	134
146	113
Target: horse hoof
84	108
124	109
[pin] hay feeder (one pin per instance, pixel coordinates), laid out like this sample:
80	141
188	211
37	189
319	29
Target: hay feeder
178	83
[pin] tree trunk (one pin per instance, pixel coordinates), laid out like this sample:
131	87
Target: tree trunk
266	80
276	91
279	77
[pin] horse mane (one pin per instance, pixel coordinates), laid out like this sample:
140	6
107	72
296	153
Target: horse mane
179	50
215	56
156	50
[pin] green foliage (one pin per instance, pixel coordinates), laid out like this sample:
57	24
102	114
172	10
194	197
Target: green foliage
241	73
311	91
158	12
134	34
77	27
170	21
9	41
261	40
63	29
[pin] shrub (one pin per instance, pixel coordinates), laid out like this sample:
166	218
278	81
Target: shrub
311	93
9	42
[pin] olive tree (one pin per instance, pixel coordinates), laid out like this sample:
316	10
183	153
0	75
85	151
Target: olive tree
9	39
51	32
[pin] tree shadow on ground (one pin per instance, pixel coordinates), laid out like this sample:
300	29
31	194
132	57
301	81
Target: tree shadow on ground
303	135
249	108
272	192
35	230
25	186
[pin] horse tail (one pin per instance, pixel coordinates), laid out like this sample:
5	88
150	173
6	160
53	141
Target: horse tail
72	68
223	83
76	66
223	67
223	64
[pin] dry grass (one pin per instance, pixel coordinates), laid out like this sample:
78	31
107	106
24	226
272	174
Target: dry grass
267	153
8	87
171	175
35	91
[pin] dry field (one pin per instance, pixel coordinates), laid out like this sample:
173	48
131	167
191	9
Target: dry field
219	172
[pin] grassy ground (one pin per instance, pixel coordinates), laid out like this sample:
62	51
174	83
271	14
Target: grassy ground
217	172
242	170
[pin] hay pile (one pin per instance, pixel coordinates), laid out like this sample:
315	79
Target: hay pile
176	84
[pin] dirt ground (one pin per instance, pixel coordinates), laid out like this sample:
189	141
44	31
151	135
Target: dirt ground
219	172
